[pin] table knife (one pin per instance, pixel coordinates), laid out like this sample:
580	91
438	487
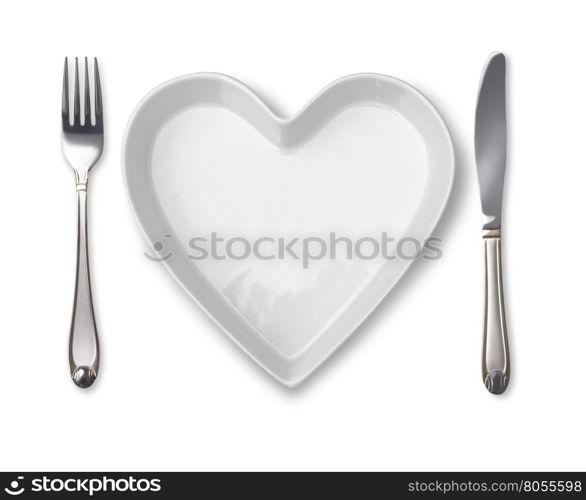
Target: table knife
490	142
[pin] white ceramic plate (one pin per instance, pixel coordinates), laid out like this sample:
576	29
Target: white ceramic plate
203	154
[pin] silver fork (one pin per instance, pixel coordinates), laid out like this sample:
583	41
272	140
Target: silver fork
83	142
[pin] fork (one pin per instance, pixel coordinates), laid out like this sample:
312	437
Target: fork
83	142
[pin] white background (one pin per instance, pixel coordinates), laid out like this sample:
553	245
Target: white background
405	393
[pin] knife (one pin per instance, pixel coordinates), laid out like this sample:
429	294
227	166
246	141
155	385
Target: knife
490	142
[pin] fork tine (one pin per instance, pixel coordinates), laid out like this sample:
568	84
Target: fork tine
76	103
86	104
98	91
65	98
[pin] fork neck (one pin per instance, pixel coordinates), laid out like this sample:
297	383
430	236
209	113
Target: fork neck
81	179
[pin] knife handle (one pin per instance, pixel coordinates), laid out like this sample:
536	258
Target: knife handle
495	351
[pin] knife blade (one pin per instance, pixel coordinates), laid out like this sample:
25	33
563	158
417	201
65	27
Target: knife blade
490	141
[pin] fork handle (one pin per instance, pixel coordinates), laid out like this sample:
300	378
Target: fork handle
84	354
495	353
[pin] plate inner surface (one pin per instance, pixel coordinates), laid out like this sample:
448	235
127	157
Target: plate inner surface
361	175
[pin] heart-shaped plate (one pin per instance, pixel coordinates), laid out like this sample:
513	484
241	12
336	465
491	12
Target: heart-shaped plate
279	227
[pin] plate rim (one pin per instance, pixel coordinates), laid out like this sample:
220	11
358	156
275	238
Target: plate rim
283	121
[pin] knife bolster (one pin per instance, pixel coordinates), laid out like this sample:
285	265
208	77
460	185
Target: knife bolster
491	233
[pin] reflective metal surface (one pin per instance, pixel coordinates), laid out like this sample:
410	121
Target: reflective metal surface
490	139
491	158
495	352
83	141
